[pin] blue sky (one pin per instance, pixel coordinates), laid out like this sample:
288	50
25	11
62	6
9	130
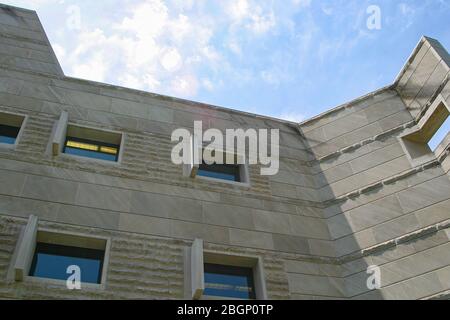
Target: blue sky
289	59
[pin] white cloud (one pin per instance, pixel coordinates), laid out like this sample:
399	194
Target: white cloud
130	81
147	20
406	9
183	5
59	51
177	47
238	10
31	4
262	23
185	85
94	69
255	16
234	46
302	3
151	82
171	60
208	84
147	48
270	76
408	12
328	10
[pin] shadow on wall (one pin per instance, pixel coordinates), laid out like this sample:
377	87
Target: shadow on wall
351	272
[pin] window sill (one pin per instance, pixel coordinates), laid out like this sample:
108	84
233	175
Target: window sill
222	298
63	283
7	146
87	159
422	157
234	183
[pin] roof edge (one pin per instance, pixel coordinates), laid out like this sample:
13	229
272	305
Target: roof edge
433	43
347	104
176	99
2	5
226	109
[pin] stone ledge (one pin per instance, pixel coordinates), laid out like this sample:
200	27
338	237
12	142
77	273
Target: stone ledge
346	105
378	185
395	242
379	137
440	296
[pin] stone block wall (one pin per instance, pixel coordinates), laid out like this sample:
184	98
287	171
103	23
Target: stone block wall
345	197
380	209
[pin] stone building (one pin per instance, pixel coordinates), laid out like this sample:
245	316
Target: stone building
358	186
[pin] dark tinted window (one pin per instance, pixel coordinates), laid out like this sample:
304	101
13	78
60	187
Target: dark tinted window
8	134
229	172
51	261
229	282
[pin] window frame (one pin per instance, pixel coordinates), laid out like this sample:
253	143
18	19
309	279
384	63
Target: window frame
194	277
26	247
19	134
56	236
102	161
237	175
75	252
240	269
243	171
414	142
91	142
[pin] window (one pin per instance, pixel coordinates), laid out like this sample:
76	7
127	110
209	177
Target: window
232	172
55	252
10	128
91	149
229	281
420	142
51	261
44	255
229	172
214	275
92	143
8	134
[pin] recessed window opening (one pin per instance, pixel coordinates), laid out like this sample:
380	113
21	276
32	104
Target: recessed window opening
10	126
92	143
91	149
51	261
233	172
419	143
54	253
213	275
229	172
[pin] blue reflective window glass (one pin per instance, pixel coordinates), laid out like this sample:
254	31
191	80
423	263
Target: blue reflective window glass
227	172
90	154
8	134
51	261
91	149
229	282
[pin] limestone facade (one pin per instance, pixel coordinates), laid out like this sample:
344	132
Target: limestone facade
347	195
